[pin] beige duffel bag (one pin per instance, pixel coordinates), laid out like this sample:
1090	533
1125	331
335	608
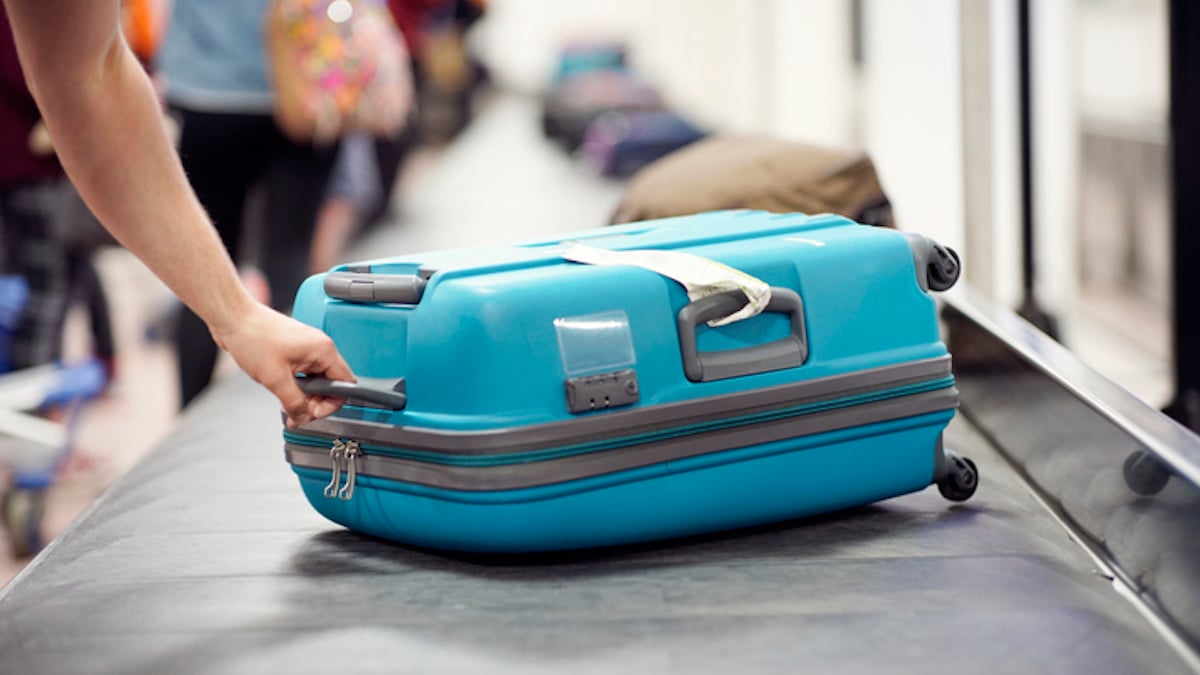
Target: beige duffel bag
741	172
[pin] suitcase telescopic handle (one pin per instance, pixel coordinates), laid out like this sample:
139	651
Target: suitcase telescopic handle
788	352
355	391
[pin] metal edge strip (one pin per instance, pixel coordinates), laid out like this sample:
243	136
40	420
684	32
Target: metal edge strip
534	474
622	423
1006	336
1173	443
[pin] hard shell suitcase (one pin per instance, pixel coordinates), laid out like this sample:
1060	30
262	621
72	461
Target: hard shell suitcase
585	57
510	400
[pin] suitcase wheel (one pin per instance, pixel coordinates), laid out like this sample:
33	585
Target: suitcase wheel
944	268
22	511
1144	474
959	484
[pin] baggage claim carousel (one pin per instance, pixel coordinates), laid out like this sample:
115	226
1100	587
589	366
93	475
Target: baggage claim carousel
206	557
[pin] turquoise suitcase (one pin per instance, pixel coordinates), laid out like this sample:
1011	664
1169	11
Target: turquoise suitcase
510	400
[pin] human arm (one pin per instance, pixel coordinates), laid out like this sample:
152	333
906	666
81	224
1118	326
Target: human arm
102	112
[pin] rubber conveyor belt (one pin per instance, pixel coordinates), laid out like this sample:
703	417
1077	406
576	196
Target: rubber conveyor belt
206	558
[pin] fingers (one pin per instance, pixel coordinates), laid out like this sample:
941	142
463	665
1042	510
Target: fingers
323	406
272	348
327	363
294	401
323	359
313	408
332	365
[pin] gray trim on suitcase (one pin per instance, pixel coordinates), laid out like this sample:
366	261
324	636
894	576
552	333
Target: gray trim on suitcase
533	474
614	424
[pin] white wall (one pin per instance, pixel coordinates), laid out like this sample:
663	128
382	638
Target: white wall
709	57
519	39
813	85
1124	47
1056	160
913	109
768	66
1005	284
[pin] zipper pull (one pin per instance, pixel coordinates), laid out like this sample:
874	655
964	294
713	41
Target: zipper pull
336	454
352	453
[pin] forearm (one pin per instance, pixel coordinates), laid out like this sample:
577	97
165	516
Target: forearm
104	117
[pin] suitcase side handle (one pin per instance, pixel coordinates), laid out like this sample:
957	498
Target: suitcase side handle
788	352
361	392
366	287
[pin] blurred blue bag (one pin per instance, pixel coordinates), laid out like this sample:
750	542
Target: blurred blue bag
14	293
620	143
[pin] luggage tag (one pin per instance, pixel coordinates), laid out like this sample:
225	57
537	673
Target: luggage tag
700	276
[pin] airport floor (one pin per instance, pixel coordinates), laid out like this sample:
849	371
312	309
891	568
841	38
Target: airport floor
139	409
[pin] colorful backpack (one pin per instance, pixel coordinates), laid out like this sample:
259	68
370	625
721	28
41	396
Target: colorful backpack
337	66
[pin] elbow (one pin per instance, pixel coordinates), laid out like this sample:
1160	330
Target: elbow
58	77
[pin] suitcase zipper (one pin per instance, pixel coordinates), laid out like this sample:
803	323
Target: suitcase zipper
342	464
343	453
335	458
352	454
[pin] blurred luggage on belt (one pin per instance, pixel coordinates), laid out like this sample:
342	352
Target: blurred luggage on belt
582	57
14	293
621	143
572	104
747	172
597	390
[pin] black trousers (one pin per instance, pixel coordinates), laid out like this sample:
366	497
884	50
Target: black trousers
225	156
37	225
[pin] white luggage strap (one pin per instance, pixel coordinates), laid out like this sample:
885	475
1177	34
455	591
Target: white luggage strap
700	276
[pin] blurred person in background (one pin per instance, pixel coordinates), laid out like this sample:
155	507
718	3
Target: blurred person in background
46	236
367	167
143	23
365	176
213	62
103	114
447	75
355	190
